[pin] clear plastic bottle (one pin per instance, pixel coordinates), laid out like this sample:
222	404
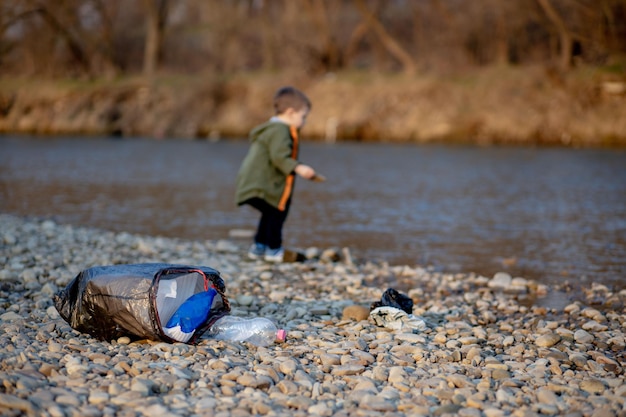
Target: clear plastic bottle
259	331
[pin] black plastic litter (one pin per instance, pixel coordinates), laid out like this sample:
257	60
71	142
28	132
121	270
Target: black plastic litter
393	298
137	300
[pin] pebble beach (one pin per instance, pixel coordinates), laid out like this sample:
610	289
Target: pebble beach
485	351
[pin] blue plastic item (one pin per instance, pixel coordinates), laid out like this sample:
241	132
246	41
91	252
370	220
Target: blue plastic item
190	315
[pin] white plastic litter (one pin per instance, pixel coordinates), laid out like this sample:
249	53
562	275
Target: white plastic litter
396	319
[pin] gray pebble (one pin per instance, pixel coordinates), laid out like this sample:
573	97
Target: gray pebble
583	336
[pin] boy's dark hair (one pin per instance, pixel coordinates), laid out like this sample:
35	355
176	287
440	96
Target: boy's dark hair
287	97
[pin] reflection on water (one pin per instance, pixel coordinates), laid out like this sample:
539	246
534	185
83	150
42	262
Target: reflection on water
544	214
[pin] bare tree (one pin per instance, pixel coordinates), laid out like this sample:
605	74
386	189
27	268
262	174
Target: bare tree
156	18
269	38
566	42
501	32
12	15
95	37
331	54
67	37
63	21
389	43
357	34
104	39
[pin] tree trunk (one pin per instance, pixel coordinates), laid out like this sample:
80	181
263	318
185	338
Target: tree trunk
501	32
566	41
72	41
105	41
389	43
330	56
156	16
357	34
269	51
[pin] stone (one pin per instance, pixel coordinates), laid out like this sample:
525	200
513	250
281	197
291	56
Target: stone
547	340
12	402
255	381
206	404
343	370
500	281
546	396
329	360
52	313
578	359
446	409
54	347
320	409
366	384
583	336
594	326
245	300
288	367
459	381
355	312
124	340
98	397
287	387
493	412
142	386
299	402
10	316
592	386
158	410
500	374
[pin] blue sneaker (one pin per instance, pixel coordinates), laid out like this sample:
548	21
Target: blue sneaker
257	250
274	255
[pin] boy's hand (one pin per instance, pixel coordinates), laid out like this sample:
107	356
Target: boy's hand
305	171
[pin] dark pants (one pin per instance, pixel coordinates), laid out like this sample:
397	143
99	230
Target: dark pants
270	229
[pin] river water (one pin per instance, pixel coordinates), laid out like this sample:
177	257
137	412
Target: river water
548	214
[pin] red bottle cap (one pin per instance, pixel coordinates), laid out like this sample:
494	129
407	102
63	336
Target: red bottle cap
281	335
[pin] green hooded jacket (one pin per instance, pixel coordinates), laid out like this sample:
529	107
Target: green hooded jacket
267	171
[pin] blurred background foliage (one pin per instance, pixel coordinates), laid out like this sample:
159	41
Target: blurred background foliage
513	69
78	38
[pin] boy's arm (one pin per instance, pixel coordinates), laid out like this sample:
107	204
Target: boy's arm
280	149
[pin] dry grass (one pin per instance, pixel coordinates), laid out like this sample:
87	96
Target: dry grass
493	105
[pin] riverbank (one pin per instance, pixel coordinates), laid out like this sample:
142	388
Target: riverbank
483	353
530	106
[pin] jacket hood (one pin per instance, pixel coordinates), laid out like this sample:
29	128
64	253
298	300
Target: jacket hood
256	132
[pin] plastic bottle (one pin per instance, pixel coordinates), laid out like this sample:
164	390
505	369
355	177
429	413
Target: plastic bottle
259	331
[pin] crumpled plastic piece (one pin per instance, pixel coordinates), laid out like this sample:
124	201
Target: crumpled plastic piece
393	298
396	319
190	315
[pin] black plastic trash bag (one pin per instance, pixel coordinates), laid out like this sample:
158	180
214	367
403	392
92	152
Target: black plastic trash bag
138	300
392	298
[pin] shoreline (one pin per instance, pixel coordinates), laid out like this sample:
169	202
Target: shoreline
496	105
482	353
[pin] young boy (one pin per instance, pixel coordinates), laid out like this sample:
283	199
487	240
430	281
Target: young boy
266	177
